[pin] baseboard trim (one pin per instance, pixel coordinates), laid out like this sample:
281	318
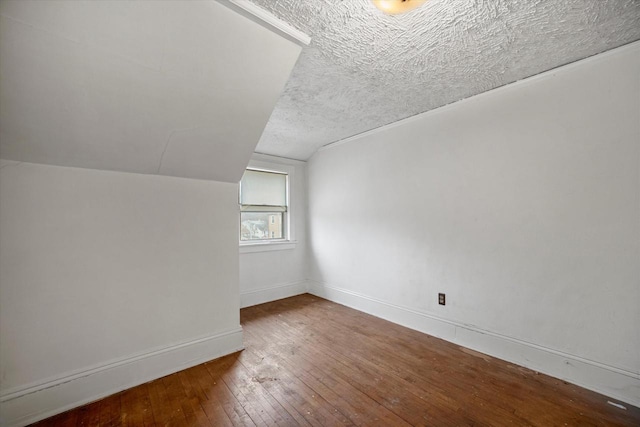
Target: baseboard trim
35	402
273	293
617	383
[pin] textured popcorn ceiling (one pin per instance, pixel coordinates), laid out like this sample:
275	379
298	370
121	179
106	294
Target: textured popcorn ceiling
365	69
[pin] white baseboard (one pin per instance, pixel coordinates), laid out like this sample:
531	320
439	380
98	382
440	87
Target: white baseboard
26	405
617	383
273	293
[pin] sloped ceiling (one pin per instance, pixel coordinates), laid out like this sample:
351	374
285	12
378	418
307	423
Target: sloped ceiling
365	69
176	88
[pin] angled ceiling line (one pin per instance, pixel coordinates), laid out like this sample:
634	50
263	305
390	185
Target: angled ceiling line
443	108
350	80
267	20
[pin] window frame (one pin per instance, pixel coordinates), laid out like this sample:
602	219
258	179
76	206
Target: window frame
288	241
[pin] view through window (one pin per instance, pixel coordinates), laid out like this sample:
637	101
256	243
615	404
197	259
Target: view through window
263	205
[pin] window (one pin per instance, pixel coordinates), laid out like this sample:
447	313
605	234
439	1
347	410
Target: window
263	206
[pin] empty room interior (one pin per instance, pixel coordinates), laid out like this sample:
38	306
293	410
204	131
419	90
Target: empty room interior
320	212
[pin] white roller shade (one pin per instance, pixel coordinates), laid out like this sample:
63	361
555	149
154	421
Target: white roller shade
259	188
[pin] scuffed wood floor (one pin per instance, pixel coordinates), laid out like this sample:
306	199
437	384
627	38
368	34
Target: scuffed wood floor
309	361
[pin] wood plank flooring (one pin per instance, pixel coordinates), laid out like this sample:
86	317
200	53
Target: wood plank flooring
311	362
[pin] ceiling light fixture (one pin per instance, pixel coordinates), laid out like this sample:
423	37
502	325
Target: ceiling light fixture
395	7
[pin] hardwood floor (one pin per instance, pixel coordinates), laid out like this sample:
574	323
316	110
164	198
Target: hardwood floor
309	361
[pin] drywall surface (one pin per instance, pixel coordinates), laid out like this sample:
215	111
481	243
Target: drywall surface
521	204
180	88
270	272
97	267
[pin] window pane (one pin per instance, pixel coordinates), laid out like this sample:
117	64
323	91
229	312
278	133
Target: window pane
263	188
261	225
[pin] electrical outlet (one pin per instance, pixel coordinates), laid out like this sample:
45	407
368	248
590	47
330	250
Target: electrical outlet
441	299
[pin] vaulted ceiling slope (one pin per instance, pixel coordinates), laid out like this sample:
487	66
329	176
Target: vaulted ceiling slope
159	87
365	69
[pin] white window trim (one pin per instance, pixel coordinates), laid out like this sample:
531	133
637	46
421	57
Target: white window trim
263	246
289	242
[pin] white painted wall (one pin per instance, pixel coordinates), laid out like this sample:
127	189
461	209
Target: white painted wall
521	204
112	279
100	268
271	272
180	88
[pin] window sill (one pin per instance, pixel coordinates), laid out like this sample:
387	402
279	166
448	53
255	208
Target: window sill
246	248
